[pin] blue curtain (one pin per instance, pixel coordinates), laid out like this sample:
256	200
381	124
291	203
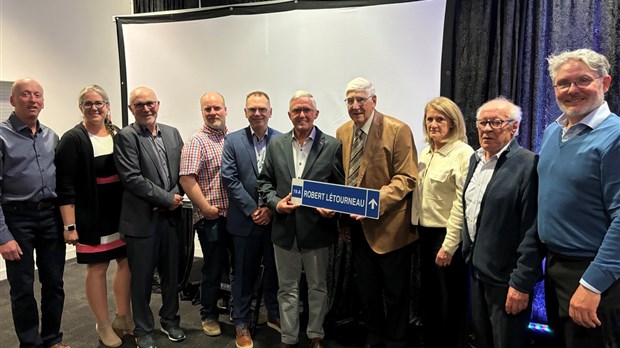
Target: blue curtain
500	48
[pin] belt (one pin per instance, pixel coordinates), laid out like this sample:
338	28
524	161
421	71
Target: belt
42	205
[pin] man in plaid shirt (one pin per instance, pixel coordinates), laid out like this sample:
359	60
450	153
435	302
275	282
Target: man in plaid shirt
200	177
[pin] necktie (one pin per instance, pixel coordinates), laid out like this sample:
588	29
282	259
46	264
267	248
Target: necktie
356	157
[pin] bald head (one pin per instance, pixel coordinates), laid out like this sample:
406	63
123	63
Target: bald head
144	106
27	100
214	110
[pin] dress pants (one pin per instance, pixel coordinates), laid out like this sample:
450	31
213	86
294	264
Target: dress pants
444	293
383	281
249	252
562	277
215	245
39	230
493	327
144	254
289	263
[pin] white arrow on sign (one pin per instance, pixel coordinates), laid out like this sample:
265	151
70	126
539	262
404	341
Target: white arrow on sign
372	203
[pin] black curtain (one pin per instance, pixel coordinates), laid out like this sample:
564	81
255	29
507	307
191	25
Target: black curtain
143	6
500	49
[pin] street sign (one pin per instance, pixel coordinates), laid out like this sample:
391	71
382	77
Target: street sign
340	198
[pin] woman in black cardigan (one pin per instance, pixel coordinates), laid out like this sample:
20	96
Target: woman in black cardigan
89	195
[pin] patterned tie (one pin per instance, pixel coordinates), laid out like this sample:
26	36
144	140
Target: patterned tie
356	157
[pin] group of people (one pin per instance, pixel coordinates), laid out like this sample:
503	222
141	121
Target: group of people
484	220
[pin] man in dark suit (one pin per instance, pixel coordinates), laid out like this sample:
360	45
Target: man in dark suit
301	235
147	156
249	218
386	161
499	201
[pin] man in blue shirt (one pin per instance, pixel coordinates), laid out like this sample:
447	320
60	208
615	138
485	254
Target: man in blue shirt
30	220
579	204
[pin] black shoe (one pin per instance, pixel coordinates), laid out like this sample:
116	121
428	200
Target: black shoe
175	333
146	341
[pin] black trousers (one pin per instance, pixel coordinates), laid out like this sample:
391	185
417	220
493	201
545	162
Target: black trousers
493	327
159	250
562	277
383	283
216	244
39	230
444	293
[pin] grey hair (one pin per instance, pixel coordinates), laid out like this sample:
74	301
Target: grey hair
93	88
595	61
360	84
303	94
515	111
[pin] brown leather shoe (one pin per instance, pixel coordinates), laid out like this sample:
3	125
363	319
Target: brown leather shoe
243	339
317	342
60	345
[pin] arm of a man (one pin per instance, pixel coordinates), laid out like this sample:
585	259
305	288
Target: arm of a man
605	268
530	250
230	178
405	169
9	249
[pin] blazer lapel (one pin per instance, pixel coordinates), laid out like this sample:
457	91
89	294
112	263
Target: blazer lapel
248	143
149	148
347	143
287	143
373	141
317	146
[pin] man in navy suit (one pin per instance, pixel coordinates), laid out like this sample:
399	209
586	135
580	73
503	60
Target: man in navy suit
147	156
249	219
301	235
499	202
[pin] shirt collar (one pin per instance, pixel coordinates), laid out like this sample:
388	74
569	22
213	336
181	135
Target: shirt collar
310	137
254	136
592	120
480	152
19	126
366	127
447	148
214	131
147	132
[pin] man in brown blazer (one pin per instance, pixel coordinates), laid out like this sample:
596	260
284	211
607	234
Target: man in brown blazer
379	153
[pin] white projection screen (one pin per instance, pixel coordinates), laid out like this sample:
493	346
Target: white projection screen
282	47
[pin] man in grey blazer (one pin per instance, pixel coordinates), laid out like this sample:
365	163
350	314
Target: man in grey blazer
147	156
249	219
301	235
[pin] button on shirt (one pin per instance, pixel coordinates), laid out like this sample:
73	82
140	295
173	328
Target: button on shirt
477	187
162	160
202	156
27	171
301	152
260	147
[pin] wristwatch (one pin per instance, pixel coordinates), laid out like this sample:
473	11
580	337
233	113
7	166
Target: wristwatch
70	227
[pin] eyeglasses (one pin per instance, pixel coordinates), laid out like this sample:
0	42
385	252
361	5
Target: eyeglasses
359	100
148	104
581	82
298	111
495	124
98	104
253	111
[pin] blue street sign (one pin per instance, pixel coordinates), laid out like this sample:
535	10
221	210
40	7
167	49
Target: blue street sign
340	198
